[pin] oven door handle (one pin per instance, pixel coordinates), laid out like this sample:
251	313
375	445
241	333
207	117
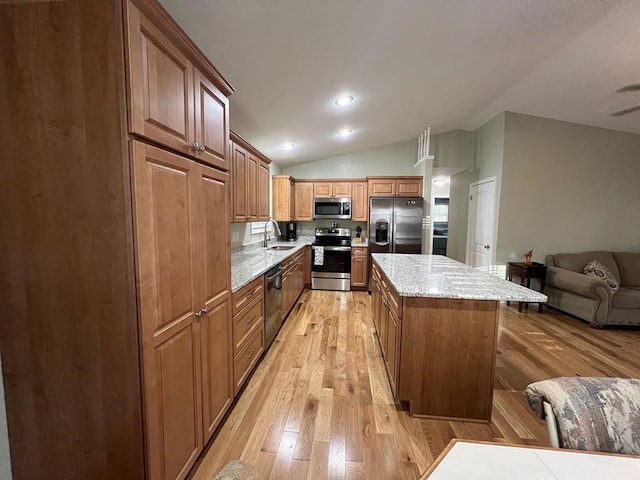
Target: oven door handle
337	249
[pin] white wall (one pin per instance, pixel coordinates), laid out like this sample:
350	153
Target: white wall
567	188
5	459
395	159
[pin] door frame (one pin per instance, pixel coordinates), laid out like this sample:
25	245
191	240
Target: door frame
492	232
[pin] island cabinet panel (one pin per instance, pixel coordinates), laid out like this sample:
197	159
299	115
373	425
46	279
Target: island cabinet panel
447	357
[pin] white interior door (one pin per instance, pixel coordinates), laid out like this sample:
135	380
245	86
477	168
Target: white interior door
480	240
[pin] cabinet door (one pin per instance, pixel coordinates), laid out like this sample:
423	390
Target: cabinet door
303	201
160	86
359	267
286	287
282	207
342	189
376	301
409	187
359	202
211	123
322	189
214	273
239	176
381	187
165	193
253	163
264	180
307	265
393	349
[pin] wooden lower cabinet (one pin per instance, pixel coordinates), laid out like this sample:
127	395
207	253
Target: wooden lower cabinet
439	353
181	211
293	278
248	330
359	267
307	265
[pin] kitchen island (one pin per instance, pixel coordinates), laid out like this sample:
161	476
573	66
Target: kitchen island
437	323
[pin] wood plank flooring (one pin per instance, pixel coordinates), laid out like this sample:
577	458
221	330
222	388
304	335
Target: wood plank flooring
319	404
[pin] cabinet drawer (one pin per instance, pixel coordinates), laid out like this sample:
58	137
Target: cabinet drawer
395	302
247	357
245	322
358	252
246	294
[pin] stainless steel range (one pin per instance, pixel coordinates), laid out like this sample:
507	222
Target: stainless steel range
331	259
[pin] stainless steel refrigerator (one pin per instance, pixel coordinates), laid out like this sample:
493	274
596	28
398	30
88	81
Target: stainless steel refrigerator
395	226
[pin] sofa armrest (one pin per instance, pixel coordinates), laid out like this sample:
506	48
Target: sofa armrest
579	283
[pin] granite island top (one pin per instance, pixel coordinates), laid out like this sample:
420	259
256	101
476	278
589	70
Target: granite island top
437	276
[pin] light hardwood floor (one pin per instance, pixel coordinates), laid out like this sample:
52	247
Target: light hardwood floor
319	404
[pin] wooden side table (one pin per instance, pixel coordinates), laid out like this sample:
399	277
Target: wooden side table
525	272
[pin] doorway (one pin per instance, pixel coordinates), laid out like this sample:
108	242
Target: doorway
480	225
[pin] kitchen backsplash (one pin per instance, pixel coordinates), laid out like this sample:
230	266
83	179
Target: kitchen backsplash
241	232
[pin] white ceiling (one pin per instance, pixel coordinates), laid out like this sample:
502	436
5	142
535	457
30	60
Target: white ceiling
409	64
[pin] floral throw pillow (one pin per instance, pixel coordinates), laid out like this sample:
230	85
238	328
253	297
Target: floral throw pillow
598	270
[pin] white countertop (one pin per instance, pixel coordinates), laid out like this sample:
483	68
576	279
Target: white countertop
437	276
253	262
478	461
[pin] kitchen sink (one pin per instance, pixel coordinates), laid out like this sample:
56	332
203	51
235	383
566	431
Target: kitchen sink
282	247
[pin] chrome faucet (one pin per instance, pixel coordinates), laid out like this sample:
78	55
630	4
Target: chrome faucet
265	241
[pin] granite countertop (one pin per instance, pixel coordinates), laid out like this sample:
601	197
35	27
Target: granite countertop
250	263
437	276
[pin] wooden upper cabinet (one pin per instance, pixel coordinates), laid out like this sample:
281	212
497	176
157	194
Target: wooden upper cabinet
171	102
304	201
264	181
395	186
381	187
165	193
252	187
211	123
239	176
359	202
409	186
331	189
283	198
341	189
322	189
160	84
250	172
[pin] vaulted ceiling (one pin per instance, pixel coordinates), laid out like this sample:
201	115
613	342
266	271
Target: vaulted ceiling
410	64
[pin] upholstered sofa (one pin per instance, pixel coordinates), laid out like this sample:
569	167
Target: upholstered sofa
590	298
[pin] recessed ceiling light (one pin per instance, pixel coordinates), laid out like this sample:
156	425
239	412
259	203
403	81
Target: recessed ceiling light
345	132
287	146
344	100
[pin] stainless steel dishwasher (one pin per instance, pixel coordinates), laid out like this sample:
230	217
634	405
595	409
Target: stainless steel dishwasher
272	304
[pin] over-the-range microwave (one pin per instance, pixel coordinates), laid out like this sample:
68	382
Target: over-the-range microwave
338	208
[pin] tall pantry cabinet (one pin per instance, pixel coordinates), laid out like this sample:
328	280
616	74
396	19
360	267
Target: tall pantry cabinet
116	346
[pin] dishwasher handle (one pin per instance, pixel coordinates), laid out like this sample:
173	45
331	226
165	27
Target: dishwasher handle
275	278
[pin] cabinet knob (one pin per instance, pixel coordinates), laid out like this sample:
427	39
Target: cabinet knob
195	146
200	313
202	148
